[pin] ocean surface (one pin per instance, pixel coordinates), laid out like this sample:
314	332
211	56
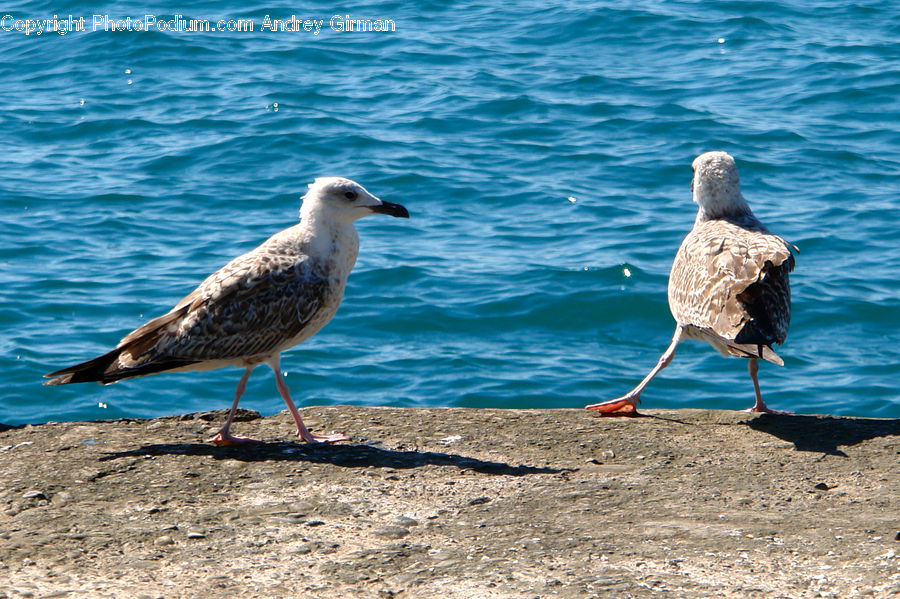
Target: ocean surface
543	152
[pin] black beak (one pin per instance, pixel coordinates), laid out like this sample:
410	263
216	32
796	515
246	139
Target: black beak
391	209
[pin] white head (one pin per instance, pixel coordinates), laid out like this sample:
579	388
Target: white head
343	201
716	186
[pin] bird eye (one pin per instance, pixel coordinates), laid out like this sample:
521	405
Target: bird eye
350	195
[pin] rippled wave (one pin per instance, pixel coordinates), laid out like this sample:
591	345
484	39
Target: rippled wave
544	154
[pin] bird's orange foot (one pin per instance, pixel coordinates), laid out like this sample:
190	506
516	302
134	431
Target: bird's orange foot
623	406
313	438
226	438
767	410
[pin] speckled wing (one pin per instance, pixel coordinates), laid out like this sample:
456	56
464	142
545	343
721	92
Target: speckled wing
729	285
250	307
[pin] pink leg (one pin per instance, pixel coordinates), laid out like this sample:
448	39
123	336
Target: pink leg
223	437
302	431
627	404
760	405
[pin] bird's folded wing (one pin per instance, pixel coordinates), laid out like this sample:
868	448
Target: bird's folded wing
249	307
715	265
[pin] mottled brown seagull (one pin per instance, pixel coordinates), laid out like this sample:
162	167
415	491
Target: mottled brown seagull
729	282
256	306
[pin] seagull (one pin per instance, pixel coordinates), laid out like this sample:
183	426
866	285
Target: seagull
729	281
255	307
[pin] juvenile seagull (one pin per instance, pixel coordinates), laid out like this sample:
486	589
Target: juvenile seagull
256	306
729	282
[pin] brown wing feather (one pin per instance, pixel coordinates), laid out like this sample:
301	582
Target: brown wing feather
249	307
729	281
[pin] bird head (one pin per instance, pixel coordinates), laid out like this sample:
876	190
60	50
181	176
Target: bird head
345	201
716	186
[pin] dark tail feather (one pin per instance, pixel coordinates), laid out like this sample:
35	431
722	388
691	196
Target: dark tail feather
106	370
86	372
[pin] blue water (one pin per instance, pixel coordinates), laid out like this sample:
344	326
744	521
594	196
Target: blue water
544	154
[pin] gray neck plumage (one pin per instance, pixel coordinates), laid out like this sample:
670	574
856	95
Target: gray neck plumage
720	197
332	244
732	211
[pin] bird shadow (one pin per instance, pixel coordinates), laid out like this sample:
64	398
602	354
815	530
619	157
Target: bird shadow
824	434
347	456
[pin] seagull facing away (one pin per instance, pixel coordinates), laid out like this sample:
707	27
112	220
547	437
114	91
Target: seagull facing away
729	281
255	307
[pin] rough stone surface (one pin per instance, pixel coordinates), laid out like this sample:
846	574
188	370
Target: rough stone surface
454	503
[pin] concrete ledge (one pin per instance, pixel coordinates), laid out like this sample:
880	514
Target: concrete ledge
454	503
